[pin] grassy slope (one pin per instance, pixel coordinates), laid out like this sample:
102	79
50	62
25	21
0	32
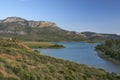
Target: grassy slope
18	62
32	44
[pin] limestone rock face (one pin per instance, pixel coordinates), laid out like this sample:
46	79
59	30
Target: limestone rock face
40	24
13	19
17	20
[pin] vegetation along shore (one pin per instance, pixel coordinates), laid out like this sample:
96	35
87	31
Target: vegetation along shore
110	50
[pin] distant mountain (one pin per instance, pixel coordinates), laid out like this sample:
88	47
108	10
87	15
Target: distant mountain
99	36
44	31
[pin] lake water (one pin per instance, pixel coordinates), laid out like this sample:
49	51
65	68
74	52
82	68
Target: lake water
82	53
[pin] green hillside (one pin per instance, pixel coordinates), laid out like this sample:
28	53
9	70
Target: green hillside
19	62
110	50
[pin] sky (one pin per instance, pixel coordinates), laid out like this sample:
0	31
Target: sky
102	16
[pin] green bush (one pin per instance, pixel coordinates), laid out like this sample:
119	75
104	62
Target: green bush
110	48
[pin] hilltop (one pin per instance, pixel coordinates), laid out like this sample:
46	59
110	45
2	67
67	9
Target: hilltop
25	22
31	30
19	62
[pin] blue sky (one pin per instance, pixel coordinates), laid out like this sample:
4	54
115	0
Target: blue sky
102	16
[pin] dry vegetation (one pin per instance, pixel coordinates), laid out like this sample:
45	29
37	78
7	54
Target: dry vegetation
32	44
18	62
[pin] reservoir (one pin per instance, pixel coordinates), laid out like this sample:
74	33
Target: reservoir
83	53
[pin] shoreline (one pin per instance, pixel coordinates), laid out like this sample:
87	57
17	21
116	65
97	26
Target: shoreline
103	56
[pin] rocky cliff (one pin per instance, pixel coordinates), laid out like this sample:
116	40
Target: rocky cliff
40	24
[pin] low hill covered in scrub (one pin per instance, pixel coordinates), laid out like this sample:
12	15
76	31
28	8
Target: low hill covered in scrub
110	50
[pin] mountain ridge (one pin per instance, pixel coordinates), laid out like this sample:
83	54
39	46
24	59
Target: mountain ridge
28	22
45	31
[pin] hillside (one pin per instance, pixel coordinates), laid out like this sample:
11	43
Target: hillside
110	50
30	30
18	62
92	36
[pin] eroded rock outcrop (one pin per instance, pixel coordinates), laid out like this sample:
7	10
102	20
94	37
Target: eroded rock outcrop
24	22
40	24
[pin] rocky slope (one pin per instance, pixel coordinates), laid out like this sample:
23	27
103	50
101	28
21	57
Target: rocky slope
24	22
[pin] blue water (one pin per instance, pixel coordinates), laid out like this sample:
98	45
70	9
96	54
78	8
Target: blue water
82	53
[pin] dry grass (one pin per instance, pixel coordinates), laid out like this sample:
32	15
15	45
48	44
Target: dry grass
38	44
